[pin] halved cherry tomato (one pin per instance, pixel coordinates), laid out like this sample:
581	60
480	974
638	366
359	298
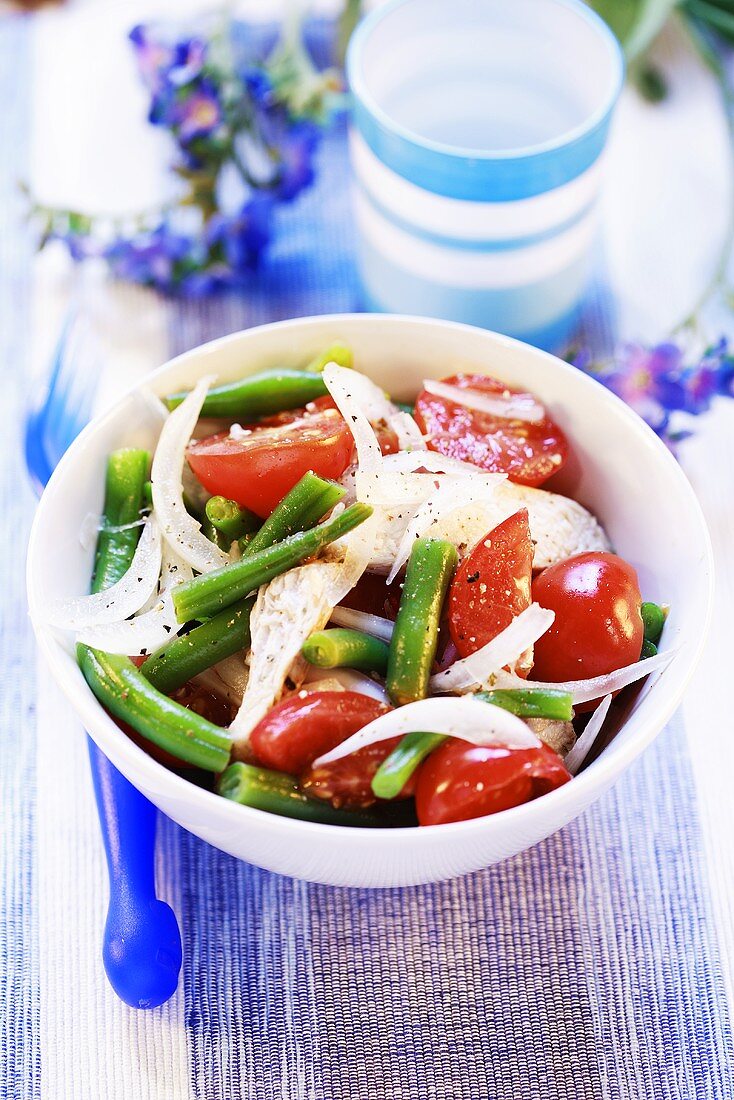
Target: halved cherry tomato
257	470
386	437
298	730
598	626
528	453
348	782
492	585
460	781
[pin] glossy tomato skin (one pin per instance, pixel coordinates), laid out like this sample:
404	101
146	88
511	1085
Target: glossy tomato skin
598	626
460	781
528	453
259	469
492	585
300	729
348	782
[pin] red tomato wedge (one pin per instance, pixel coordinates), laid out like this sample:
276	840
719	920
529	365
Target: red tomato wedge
257	470
348	782
491	585
598	627
528	453
460	781
298	730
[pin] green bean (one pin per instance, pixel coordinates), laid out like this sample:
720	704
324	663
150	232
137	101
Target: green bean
415	637
115	681
339	648
337	353
532	702
228	631
126	472
147	494
230	519
126	693
404	407
278	793
649	649
396	769
310	499
653	621
215	535
204	596
262	394
185	657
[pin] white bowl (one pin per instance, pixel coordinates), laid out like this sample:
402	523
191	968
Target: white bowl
619	469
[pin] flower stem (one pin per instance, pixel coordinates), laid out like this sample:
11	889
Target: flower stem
718	280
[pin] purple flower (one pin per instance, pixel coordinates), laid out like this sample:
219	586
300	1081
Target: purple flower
197	114
657	384
162	62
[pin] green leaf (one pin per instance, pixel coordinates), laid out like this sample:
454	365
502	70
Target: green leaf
634	22
719	16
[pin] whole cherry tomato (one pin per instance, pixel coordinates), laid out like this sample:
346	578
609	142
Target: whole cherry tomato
528	453
598	626
460	781
298	730
492	585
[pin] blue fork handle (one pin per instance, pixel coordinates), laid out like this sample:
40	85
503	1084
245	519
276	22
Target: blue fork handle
142	943
141	946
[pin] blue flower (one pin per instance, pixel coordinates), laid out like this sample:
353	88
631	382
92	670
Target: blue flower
241	238
151	257
296	161
259	87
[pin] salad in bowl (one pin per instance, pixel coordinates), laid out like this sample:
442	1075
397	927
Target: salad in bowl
321	599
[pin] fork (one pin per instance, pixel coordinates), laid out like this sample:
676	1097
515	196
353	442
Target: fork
141	942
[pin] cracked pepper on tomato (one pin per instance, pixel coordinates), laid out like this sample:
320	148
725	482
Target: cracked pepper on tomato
366	615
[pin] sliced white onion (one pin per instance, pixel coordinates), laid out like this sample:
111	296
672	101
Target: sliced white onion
180	530
326	683
93	523
458	506
513	407
347	679
152	403
377	407
228	678
575	758
234	673
583	691
123	598
410	437
505	649
436	463
374	625
468	719
347	387
150	630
